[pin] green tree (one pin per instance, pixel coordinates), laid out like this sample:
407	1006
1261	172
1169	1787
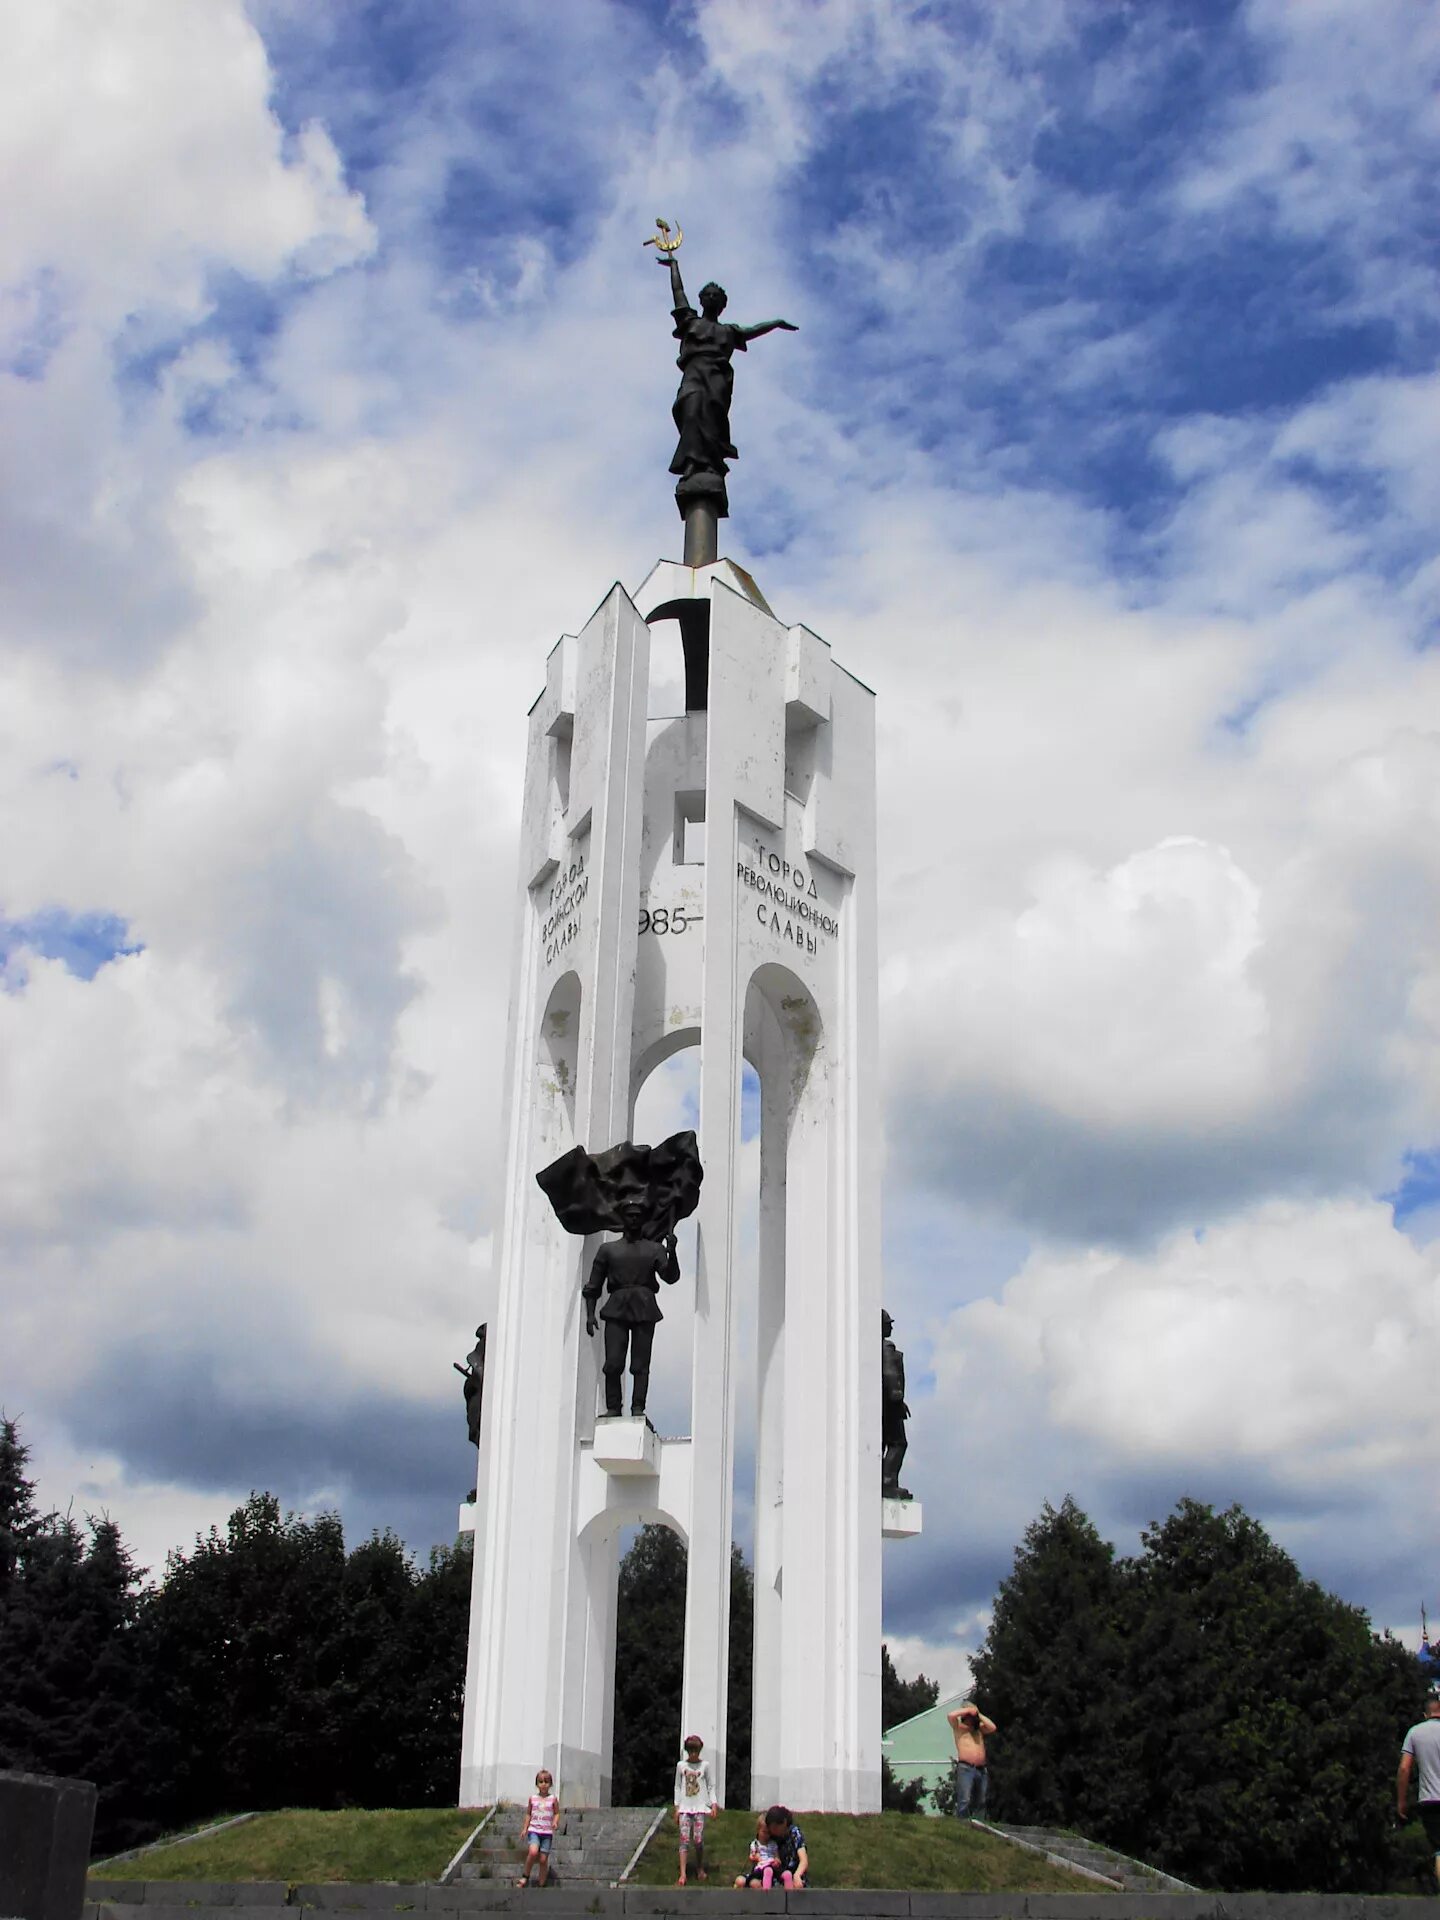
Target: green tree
1051	1672
268	1668
72	1679
401	1690
1245	1722
378	1713
440	1627
19	1520
246	1634
741	1688
1264	1714
649	1655
902	1699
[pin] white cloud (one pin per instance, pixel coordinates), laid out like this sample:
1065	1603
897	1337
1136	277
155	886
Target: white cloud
144	152
1299	1337
945	1660
1122	996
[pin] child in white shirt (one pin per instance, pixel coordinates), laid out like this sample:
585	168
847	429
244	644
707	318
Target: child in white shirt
694	1798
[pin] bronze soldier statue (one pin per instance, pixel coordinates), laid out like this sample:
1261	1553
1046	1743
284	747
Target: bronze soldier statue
894	1413
642	1191
474	1374
632	1267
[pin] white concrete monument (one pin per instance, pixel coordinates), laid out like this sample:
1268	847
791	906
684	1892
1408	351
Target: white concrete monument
704	879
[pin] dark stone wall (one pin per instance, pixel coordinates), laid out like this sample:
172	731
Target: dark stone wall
45	1828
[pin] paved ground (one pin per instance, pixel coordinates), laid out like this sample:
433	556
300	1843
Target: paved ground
186	1900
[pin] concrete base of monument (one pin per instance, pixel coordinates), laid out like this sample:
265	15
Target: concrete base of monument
901	1519
584	1778
626	1443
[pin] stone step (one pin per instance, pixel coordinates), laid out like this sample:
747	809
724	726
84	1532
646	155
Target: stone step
1132	1876
592	1848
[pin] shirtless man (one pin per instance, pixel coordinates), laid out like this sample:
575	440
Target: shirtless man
972	1776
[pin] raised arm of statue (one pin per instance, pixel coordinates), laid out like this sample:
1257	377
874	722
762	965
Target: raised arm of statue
669	1267
677	285
767	326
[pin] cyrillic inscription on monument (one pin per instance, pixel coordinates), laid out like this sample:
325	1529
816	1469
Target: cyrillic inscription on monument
563	909
788	902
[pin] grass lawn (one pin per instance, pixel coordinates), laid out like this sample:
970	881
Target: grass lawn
872	1850
359	1844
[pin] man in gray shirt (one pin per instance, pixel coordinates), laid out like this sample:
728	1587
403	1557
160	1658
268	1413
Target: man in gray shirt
1421	1755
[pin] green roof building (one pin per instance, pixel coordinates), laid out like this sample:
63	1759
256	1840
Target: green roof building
923	1747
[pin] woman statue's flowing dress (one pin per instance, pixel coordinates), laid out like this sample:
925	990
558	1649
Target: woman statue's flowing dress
707	380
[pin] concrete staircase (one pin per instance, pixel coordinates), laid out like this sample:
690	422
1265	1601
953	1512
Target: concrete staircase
592	1848
1072	1850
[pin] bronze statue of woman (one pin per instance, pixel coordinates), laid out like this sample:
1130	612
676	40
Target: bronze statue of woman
707	380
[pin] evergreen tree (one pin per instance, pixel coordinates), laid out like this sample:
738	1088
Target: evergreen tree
902	1699
1051	1672
649	1655
379	1715
113	1725
741	1687
1202	1706
72	1681
247	1636
1264	1713
898	1796
440	1626
19	1522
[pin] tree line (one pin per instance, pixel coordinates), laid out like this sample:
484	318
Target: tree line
1200	1705
269	1668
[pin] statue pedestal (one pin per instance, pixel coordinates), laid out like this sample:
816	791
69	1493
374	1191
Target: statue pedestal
626	1443
901	1519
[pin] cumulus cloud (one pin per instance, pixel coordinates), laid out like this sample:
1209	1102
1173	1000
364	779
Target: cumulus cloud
1122	995
1295	1336
150	156
1277	1358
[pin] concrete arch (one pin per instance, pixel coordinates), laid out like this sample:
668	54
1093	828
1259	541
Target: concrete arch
653	1051
612	1520
557	1054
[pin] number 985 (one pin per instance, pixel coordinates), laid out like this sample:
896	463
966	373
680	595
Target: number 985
663	920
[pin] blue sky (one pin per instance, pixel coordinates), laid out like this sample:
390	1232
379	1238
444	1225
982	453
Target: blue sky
337	385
